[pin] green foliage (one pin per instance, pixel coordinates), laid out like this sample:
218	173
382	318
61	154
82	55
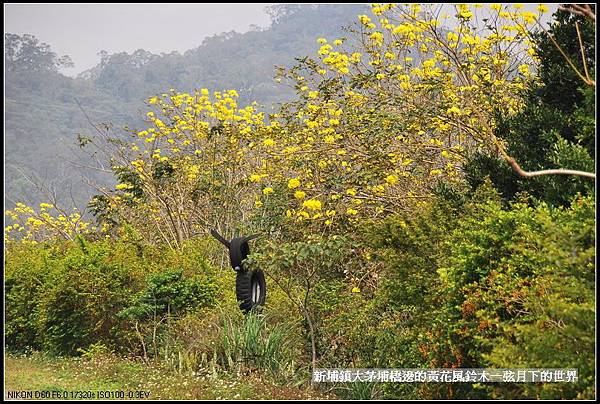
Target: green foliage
323	253
82	297
131	178
543	294
556	127
309	273
63	297
487	286
559	79
171	293
409	326
24	280
67	296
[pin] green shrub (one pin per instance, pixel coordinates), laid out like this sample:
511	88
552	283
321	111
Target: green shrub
481	285
405	323
303	270
169	293
534	308
65	296
26	270
166	297
82	296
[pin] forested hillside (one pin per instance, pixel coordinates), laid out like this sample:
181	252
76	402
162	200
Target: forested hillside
424	199
46	111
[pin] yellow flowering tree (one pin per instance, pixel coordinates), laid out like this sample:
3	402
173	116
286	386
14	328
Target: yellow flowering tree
45	223
189	169
380	119
384	116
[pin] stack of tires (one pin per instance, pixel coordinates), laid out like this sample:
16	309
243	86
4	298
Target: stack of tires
250	286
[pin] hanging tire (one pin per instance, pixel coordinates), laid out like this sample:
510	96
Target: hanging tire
250	289
250	286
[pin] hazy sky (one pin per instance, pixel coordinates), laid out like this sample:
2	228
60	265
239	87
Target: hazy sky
82	30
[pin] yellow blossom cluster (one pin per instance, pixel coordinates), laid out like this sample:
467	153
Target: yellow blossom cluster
42	224
411	97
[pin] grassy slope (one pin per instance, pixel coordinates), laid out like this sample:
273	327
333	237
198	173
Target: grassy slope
36	373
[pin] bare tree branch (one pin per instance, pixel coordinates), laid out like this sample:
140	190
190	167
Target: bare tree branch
556	171
583	10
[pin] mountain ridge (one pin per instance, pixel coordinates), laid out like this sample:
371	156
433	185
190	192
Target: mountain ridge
46	110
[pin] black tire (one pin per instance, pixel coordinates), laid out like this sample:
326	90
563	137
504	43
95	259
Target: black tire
250	289
238	252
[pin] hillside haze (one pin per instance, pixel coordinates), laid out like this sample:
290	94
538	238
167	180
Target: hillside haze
46	111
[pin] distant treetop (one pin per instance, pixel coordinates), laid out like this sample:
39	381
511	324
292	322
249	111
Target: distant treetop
26	52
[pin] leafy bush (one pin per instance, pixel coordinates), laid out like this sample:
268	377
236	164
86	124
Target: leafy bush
302	270
169	293
26	270
166	296
487	286
82	296
534	306
65	296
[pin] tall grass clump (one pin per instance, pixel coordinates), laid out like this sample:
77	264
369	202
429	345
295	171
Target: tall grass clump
252	344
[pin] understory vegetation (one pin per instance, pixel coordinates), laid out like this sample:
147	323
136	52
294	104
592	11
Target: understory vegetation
394	232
